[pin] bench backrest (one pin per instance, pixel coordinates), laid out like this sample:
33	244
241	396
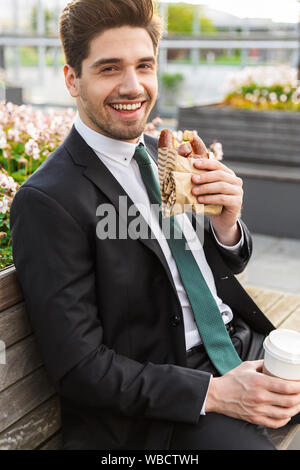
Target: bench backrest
29	405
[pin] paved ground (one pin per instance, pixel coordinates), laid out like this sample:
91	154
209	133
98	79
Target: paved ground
275	264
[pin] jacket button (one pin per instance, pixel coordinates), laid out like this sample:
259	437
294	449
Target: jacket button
175	320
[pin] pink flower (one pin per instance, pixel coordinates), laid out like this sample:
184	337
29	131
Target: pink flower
3	181
4	205
151	127
3	141
157	121
217	150
13	134
32	131
8	189
11	184
32	149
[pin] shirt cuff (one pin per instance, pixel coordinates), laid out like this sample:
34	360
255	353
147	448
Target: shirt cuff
202	412
235	248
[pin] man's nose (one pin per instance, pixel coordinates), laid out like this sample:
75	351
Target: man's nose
130	84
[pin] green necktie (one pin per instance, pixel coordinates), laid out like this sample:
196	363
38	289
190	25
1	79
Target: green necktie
208	317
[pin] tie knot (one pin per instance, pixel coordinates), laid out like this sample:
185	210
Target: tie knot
141	156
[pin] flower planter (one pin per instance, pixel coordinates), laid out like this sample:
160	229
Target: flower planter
250	136
263	148
14	95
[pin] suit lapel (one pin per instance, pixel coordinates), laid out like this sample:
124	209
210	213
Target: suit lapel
98	173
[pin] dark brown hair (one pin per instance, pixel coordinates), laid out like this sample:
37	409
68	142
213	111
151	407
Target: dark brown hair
82	20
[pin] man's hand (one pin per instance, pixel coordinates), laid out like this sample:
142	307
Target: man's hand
222	187
247	394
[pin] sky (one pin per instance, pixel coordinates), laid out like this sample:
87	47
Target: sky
278	10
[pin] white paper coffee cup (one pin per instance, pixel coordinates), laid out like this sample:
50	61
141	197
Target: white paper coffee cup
282	354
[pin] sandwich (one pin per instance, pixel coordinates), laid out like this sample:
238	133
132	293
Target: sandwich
176	156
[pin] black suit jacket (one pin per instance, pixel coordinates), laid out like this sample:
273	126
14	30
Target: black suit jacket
105	312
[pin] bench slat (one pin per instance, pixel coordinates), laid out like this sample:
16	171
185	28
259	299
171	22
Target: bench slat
283	437
55	443
34	428
24	396
266	299
10	291
254	292
21	359
293	321
282	309
14	324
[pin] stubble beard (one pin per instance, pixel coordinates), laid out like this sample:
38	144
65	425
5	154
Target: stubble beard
132	131
129	130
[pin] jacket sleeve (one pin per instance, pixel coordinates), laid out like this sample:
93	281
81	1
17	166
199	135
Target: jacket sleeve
236	261
56	271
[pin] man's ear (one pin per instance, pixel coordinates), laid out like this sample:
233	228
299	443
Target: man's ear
71	81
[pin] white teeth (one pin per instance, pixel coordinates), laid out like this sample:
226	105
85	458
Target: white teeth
127	107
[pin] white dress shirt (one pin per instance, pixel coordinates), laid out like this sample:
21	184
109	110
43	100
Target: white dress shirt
118	158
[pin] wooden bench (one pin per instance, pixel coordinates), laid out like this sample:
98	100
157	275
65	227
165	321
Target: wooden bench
29	405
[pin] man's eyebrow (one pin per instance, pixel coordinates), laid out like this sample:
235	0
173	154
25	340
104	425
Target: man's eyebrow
100	62
148	59
114	60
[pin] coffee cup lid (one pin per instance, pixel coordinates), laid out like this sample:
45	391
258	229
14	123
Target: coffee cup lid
284	344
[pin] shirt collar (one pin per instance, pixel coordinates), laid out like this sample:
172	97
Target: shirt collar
120	152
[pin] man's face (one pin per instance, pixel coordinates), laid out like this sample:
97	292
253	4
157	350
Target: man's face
118	84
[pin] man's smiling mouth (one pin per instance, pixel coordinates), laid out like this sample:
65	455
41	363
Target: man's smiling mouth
127	107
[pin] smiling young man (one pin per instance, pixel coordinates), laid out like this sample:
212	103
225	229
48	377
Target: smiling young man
118	86
113	316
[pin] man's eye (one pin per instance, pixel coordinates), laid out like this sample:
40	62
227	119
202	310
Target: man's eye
146	66
108	69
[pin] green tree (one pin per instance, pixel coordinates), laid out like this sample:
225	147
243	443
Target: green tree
206	25
171	81
180	20
48	15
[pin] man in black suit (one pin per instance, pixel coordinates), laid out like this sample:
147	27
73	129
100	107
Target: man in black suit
111	315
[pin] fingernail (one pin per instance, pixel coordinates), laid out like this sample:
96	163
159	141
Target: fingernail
197	178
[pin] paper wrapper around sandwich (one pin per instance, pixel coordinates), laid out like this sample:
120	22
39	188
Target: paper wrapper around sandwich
175	177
